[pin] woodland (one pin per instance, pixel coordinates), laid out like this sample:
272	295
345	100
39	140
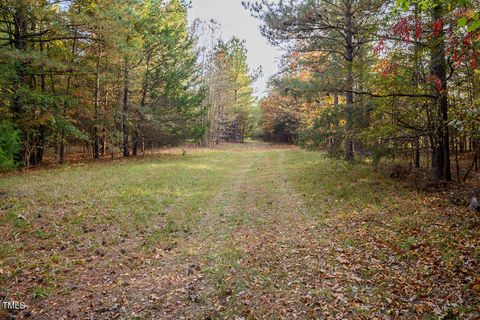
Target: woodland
143	177
366	79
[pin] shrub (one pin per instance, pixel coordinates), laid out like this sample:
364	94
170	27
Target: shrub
9	145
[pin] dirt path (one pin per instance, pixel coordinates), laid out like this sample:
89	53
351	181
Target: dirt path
235	262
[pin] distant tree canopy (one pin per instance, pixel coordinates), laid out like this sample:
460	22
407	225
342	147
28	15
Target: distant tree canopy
111	75
231	58
380	77
230	101
107	73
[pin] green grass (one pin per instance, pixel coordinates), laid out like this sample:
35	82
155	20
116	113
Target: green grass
155	199
266	226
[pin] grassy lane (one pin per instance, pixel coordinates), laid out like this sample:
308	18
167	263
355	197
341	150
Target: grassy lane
246	232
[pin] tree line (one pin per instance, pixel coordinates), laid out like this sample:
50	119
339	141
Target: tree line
362	78
114	76
375	78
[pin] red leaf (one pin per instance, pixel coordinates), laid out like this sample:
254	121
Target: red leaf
437	27
418	30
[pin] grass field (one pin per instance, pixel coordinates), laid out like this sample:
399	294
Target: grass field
252	231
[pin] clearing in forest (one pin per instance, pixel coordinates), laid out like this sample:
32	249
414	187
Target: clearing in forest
243	232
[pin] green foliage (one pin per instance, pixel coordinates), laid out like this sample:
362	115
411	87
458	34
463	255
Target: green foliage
310	139
405	80
9	145
60	124
96	71
231	57
171	83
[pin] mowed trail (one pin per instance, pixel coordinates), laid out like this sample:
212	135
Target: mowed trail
236	262
242	259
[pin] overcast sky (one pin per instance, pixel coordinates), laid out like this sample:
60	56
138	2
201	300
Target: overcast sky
236	21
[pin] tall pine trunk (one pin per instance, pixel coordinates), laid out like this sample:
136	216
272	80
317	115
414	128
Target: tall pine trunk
441	148
143	103
61	149
135	141
126	93
349	81
417	152
20	70
96	99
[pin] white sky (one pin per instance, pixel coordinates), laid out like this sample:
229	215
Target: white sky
236	21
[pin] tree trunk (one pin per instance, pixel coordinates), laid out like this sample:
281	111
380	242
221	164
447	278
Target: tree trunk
439	75
104	143
456	161
61	149
349	82
417	152
126	94
96	138
20	69
143	103
135	142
